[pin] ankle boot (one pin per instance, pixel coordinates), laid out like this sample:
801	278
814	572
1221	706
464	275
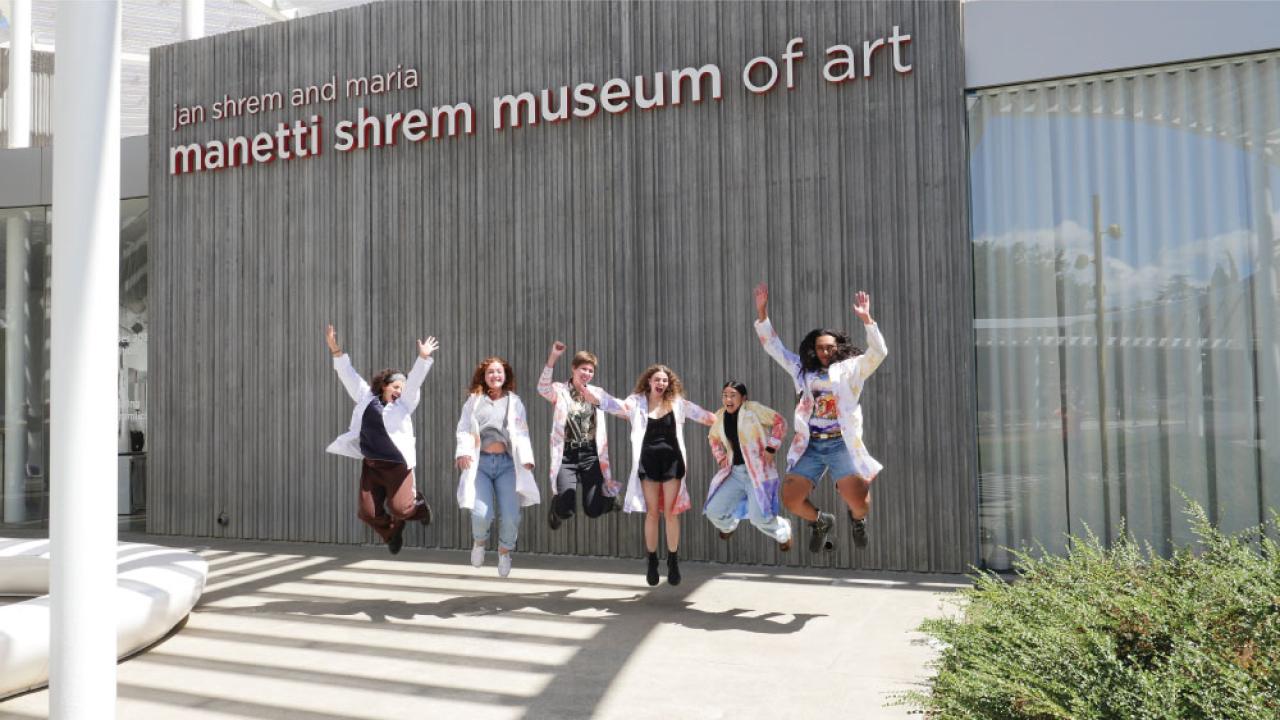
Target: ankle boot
652	575
673	568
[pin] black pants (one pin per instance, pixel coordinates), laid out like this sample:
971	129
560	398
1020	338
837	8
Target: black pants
580	467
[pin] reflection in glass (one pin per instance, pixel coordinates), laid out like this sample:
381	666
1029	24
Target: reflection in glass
1182	393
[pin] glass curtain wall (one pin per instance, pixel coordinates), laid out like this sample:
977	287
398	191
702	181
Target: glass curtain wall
27	262
1126	240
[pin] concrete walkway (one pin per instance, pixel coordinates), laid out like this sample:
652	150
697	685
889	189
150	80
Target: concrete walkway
321	632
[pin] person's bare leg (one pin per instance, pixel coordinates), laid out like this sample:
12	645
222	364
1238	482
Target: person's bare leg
670	491
856	493
795	496
652	512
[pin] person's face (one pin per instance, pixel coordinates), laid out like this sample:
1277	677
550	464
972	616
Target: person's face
495	376
583	373
732	399
825	347
391	391
658	383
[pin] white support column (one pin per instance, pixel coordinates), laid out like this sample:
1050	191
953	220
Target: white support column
16	371
83	358
18	122
18	98
192	19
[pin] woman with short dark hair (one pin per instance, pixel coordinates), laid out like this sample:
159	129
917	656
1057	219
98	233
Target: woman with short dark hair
743	440
380	435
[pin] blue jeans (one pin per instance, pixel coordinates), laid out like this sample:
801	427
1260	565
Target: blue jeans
496	476
723	508
829	455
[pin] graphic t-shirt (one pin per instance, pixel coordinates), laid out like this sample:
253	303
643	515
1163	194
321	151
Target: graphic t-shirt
825	418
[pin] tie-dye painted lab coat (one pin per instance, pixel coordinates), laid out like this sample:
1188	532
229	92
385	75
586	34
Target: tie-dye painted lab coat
847	378
558	394
521	448
635	409
760	429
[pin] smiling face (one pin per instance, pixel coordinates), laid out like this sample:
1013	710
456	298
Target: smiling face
495	376
391	391
583	373
732	399
825	348
658	383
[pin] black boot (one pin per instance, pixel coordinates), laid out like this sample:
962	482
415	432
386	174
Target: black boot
652	575
673	568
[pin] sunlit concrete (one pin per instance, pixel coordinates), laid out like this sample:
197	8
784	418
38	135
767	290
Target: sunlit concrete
320	632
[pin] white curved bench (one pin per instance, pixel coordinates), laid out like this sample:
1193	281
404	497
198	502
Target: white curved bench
156	587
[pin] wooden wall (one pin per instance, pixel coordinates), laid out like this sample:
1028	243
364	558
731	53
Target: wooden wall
637	236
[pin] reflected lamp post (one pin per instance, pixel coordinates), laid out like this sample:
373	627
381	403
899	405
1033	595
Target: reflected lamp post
1099	293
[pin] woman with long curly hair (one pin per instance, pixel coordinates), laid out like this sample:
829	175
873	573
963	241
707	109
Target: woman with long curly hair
496	459
380	435
829	373
657	410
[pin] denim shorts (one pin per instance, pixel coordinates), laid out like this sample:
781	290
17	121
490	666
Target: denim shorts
824	455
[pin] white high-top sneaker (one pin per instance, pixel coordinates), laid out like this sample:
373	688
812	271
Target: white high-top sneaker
504	564
477	555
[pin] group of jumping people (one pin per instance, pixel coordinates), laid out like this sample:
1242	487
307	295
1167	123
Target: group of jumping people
494	454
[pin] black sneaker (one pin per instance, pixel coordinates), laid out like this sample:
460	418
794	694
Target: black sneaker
859	530
673	569
553	519
818	531
425	514
397	541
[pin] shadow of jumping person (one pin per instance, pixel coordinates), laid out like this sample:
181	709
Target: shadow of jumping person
642	608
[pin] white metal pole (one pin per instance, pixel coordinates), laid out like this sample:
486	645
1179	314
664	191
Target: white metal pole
17	251
18	122
192	19
18	99
83	359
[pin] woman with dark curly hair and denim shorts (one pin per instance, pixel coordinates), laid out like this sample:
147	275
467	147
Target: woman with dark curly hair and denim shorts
828	373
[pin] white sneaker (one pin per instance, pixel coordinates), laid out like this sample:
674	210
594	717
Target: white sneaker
477	555
504	564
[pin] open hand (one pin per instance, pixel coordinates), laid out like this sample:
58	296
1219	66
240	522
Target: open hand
331	337
425	348
462	462
762	301
586	393
862	307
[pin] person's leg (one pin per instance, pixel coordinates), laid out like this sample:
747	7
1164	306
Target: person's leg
482	510
795	496
369	506
594	502
857	495
563	505
720	508
776	527
670	492
652	513
856	492
508	500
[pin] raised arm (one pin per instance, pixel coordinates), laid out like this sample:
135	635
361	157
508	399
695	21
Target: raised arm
546	388
421	366
769	337
877	351
355	385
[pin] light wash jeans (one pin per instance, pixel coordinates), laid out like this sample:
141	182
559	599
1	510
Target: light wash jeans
729	497
496	476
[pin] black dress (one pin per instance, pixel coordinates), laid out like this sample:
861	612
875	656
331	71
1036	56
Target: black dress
660	457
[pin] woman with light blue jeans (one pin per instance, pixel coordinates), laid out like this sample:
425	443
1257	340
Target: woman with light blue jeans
743	440
496	459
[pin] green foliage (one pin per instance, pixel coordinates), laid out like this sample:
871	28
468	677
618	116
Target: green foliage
1117	633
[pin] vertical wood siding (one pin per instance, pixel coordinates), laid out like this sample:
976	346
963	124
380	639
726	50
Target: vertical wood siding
637	236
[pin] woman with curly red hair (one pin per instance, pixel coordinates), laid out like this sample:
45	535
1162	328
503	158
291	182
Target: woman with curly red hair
657	410
496	459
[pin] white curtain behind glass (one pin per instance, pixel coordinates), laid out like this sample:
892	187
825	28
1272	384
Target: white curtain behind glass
1182	164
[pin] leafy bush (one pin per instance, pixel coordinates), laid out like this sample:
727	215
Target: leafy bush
1117	633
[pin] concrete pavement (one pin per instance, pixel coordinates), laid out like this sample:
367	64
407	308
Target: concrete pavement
321	632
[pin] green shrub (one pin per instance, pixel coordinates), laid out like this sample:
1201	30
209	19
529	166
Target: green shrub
1117	633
